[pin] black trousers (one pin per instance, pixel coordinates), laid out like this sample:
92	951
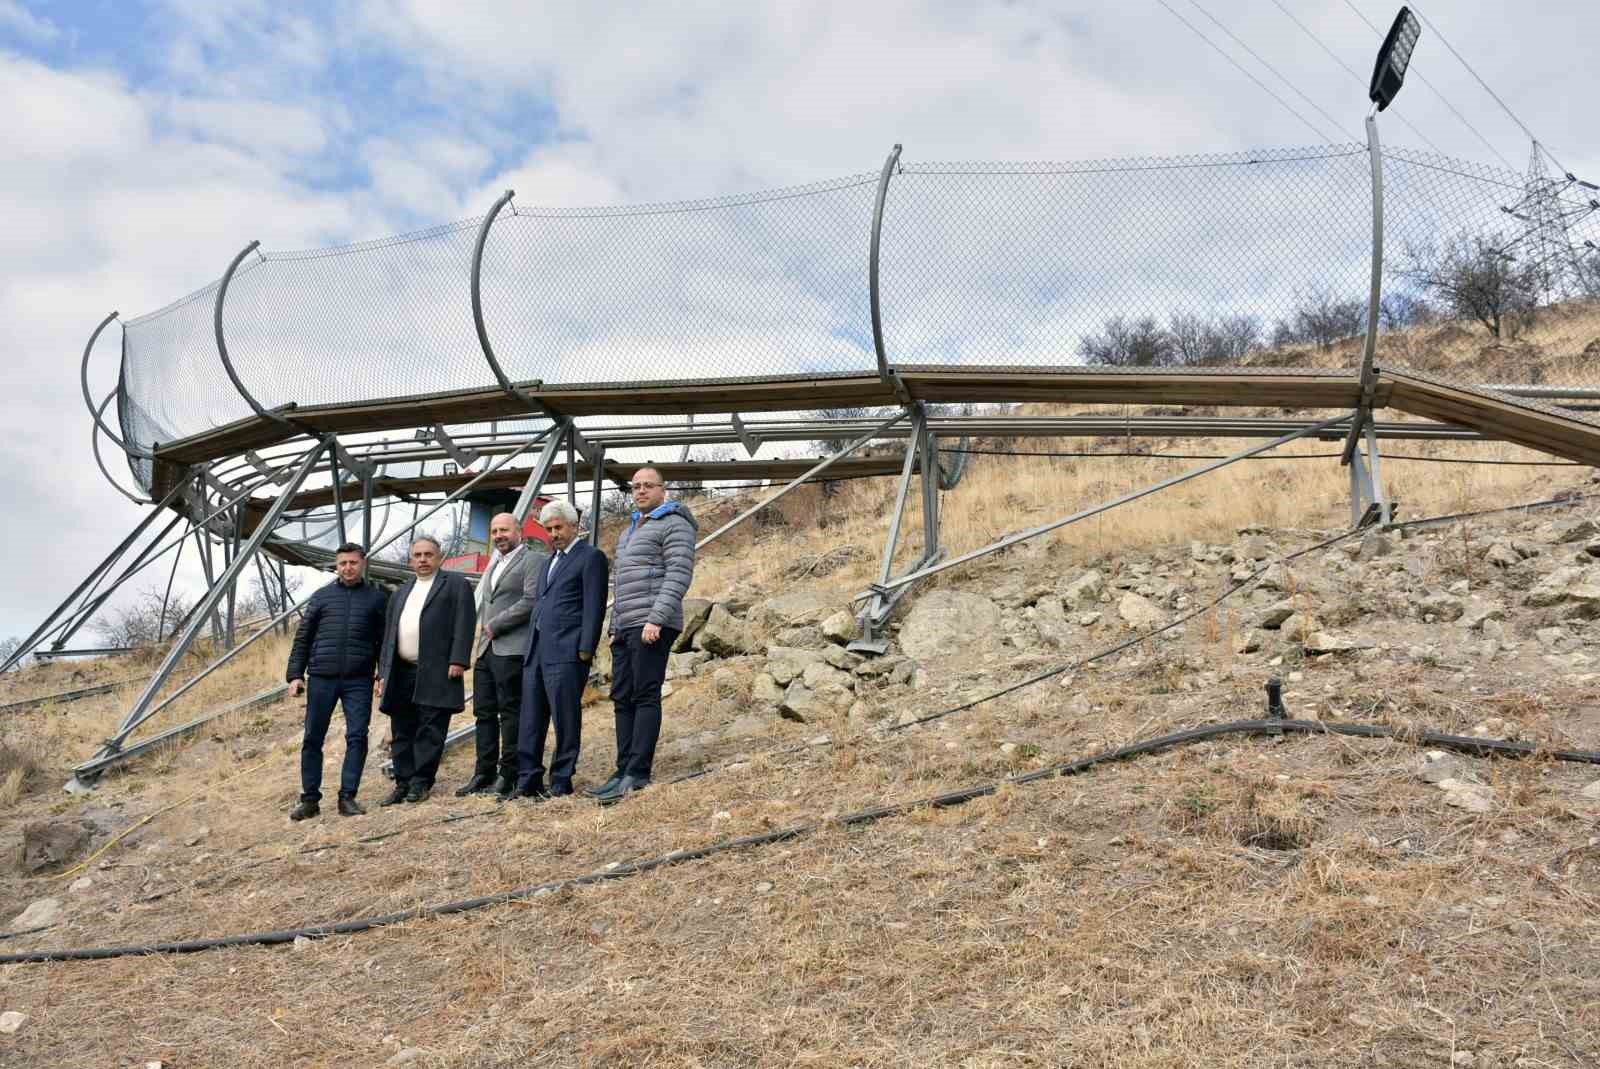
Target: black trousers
496	713
638	669
322	692
551	692
416	731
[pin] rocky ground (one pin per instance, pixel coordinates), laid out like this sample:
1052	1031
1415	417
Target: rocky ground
1278	901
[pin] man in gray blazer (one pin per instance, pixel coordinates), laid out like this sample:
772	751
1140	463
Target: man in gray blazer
506	596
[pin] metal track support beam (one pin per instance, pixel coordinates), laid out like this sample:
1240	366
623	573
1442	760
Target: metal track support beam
142	706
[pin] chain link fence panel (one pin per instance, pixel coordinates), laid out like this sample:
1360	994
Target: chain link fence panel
1250	261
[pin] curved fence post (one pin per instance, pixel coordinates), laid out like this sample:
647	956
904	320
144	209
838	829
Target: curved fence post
94	446
1375	293
873	258
477	293
500	375
96	413
222	344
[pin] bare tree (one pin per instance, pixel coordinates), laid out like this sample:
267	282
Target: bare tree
145	620
8	646
1470	275
1213	339
1321	319
1125	343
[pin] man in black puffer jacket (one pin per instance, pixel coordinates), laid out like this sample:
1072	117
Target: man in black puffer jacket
337	645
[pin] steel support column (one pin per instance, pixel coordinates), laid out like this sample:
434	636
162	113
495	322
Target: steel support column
594	500
1369	347
559	434
809	474
141	709
91	579
881	602
887	586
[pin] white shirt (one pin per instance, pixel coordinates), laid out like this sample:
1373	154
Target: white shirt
411	619
491	582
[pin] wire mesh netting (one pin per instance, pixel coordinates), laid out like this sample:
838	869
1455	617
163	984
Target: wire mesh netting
765	285
1120	263
1245	261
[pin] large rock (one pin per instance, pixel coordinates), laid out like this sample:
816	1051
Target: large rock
1502	555
1053	634
1140	613
724	635
1323	642
41	914
1299	627
826	679
1445	607
695	611
841	658
1273	616
728	683
801	704
1478	612
1473	797
54	844
791	610
1278	577
840	627
1375	544
944	622
1579	530
807	636
1084	590
1563	584
784	663
765	690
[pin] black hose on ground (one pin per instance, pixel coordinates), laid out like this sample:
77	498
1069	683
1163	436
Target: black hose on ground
1271	726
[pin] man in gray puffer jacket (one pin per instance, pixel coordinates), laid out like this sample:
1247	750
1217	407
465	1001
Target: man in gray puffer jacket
650	575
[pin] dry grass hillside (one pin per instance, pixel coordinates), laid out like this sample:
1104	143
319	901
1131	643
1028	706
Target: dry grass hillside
1250	901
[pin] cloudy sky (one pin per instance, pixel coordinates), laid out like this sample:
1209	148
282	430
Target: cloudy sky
145	143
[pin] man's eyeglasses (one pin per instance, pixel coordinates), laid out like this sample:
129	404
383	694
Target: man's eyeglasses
642	486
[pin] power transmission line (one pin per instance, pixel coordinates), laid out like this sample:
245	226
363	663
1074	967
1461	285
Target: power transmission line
1321	135
1538	145
1424	80
1252	52
1354	74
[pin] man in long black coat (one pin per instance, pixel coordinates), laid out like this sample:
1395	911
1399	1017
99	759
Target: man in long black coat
427	645
337	646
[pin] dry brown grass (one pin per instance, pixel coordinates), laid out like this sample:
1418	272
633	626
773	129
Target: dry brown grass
1242	903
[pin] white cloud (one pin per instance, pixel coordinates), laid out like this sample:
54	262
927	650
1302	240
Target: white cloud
116	197
25	24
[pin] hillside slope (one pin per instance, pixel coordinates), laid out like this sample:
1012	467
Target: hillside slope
1249	901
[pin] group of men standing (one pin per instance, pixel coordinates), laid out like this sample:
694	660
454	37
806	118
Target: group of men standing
534	626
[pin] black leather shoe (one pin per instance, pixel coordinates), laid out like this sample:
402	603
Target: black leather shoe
560	788
396	796
478	784
418	793
504	786
349	807
625	786
533	791
305	810
605	788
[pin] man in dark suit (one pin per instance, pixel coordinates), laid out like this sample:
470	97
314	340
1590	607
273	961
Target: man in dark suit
427	645
505	601
569	607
